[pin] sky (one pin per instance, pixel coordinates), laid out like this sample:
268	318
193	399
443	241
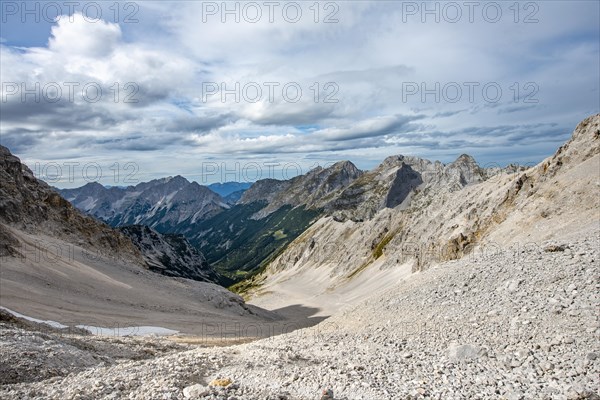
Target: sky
125	92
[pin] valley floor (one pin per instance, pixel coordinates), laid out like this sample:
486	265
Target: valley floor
521	323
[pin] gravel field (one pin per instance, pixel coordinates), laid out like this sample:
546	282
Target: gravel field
521	323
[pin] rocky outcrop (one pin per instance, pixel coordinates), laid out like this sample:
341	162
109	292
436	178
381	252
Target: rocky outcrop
171	254
394	181
584	144
32	206
314	190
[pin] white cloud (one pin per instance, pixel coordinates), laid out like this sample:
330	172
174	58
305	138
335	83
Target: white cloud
370	54
85	51
75	36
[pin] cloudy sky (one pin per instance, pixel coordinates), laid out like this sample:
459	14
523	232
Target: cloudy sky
131	91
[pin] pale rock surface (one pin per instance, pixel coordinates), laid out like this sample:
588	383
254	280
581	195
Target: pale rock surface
452	332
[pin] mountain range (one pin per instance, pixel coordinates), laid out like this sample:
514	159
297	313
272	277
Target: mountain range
240	238
163	204
441	213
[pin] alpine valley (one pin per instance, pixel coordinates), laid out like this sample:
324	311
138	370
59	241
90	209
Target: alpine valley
416	279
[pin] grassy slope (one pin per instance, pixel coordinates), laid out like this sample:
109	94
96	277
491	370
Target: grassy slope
239	246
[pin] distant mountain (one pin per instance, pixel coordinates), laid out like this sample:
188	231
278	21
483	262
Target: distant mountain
314	189
171	255
227	188
393	183
233	198
239	234
163	204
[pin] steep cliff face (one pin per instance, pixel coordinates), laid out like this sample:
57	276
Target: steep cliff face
314	190
393	183
171	254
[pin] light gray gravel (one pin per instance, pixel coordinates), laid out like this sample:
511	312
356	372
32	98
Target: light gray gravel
510	325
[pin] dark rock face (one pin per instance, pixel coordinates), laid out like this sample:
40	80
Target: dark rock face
407	179
171	254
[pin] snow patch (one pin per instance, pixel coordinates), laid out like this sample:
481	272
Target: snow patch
95	330
53	324
129	330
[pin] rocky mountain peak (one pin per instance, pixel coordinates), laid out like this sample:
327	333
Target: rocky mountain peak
347	168
163	184
178	179
345	165
463	171
93	185
314	189
392	161
92	188
263	190
396	179
465	159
